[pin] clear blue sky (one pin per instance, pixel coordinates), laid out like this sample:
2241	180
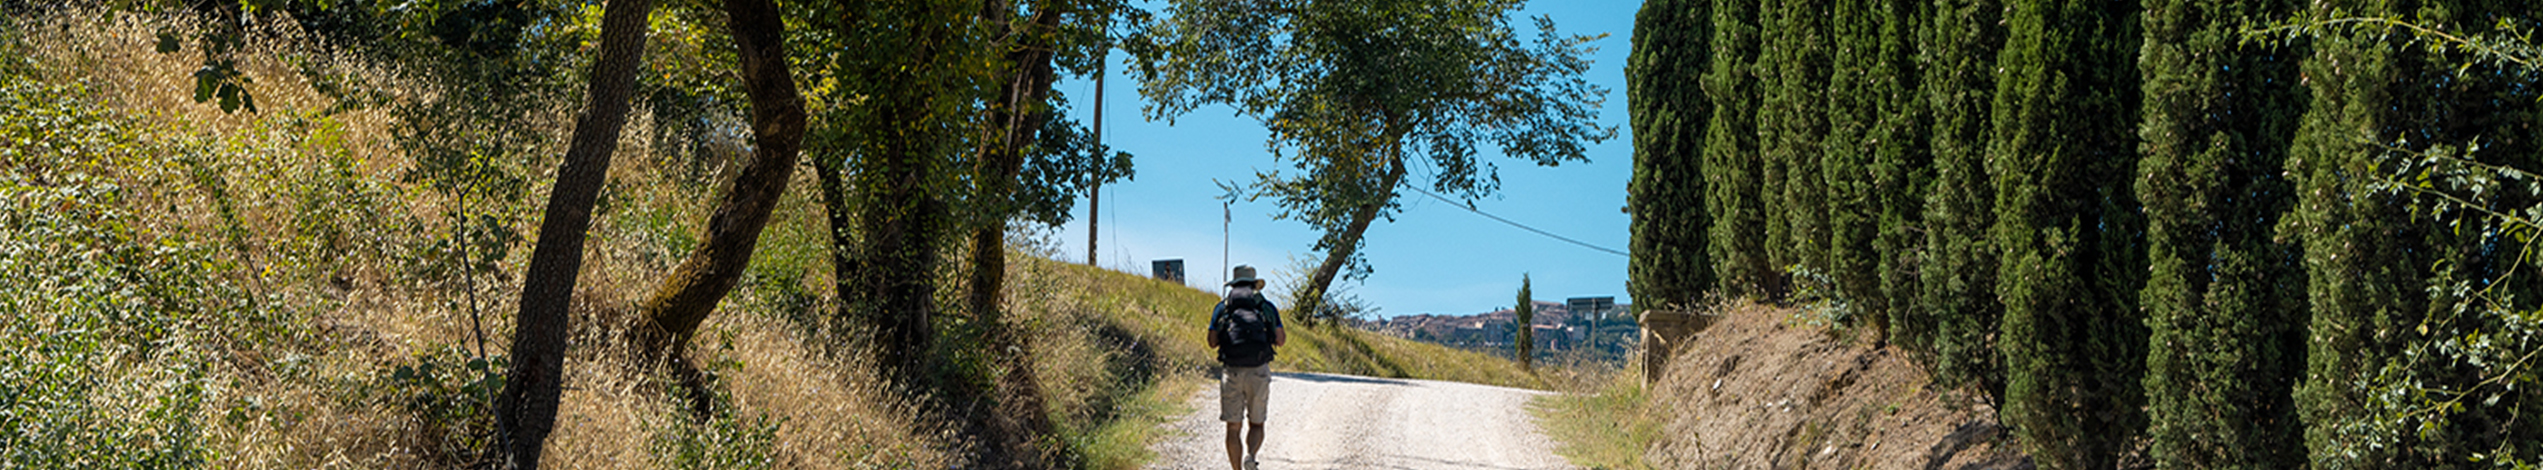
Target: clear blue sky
1434	258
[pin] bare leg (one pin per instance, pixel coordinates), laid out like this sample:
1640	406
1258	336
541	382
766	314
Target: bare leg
1236	448
1253	440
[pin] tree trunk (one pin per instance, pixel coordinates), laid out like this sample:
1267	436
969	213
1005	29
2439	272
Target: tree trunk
1017	122
1020	422
844	265
903	219
526	411
777	124
1349	241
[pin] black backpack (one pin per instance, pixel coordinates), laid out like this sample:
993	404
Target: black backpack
1248	340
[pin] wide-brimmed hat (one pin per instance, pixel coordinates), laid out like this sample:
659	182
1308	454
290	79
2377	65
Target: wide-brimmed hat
1244	275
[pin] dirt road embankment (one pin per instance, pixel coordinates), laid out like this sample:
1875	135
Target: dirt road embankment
1761	389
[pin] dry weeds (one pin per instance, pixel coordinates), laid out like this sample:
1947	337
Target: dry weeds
316	399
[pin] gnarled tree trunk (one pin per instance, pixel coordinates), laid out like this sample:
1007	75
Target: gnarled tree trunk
685	298
526	411
1348	242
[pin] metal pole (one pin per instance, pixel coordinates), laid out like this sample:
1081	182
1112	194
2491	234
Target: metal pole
1227	218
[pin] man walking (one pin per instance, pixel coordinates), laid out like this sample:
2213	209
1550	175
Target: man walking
1245	328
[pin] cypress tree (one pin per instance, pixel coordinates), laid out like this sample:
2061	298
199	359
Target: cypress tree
1525	336
2224	299
1733	173
2356	255
1846	159
1792	122
1959	267
2365	273
1669	268
2067	230
2392	273
1774	46
1902	171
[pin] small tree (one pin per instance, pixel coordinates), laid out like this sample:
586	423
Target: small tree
1526	333
1355	97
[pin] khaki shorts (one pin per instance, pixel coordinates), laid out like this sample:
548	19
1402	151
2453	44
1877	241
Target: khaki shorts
1244	392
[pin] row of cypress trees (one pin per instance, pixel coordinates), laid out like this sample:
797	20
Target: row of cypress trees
2137	227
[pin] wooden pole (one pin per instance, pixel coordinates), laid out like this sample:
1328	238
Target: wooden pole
1095	191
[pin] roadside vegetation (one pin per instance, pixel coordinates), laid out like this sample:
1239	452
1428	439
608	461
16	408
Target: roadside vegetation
1602	420
2169	233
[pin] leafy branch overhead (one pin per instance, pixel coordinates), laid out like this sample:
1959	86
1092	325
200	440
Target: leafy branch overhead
1356	94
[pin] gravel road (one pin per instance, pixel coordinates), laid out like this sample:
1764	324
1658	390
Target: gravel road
1329	422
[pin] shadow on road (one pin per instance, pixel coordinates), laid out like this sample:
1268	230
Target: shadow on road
1387	462
1327	378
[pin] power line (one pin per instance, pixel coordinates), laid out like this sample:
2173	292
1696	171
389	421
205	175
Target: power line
1471	208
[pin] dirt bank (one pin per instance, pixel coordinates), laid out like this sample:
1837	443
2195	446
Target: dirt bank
1761	388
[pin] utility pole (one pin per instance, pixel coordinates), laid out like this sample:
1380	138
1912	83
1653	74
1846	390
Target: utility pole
1095	192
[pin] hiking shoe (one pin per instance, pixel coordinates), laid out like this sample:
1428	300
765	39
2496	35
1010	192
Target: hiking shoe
1251	464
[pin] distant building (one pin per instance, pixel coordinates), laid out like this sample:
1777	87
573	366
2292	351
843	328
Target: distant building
1559	327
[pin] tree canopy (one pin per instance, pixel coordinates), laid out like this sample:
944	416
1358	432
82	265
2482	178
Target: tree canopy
1358	93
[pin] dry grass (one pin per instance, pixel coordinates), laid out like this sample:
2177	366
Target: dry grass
1607	428
320	397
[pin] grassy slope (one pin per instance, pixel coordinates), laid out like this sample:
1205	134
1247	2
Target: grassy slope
1177	315
283	288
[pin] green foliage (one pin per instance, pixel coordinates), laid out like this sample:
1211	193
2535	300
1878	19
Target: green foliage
1822	304
487	31
1525	335
1670	267
1792	123
97	372
1958	270
1338	303
474	131
904	112
2067	231
2223	299
1733	174
2363	271
723	439
99	354
1065	165
1902	173
1351	89
2414	217
451	394
1845	159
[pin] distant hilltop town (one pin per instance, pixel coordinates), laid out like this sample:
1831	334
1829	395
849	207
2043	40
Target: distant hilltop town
1557	328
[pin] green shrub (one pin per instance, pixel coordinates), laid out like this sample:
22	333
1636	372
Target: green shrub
99	364
451	396
722	440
